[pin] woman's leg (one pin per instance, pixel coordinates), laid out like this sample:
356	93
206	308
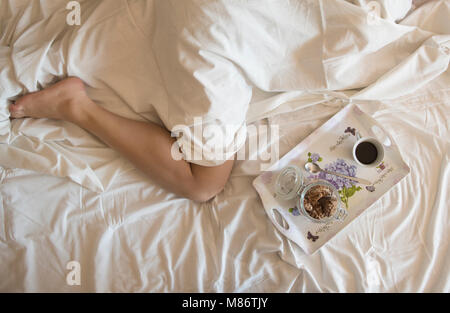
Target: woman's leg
147	145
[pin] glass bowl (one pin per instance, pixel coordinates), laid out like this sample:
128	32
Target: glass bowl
340	213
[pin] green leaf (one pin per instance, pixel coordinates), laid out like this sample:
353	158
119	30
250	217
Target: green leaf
291	210
309	160
320	159
309	154
351	192
348	192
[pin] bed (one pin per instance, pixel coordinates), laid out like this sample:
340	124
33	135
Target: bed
67	197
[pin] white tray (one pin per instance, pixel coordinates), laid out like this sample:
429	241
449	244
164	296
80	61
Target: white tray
331	142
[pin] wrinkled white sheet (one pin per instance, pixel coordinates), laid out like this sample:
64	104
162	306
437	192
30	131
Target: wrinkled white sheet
134	236
224	50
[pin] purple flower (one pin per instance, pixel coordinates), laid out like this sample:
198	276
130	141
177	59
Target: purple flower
381	167
315	157
339	166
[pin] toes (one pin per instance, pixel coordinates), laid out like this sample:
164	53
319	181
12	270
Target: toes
16	110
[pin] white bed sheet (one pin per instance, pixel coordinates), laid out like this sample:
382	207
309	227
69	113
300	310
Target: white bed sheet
134	236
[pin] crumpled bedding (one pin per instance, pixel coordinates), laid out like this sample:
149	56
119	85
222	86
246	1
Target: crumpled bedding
255	65
130	235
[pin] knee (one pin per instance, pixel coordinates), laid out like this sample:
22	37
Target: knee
203	194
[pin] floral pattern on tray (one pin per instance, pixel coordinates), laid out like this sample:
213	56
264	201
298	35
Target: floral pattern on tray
346	187
330	146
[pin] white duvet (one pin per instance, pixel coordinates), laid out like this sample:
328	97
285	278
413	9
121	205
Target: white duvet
130	235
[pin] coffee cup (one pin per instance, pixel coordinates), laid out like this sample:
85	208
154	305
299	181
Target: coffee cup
368	152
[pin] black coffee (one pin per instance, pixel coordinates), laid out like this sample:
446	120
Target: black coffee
366	152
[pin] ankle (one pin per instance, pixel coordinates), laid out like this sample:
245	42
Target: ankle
77	110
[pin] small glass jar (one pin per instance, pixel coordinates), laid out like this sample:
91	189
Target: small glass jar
340	212
290	184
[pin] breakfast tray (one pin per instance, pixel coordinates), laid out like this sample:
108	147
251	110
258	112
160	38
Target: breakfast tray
330	146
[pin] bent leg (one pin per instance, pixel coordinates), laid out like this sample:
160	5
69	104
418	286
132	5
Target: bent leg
147	145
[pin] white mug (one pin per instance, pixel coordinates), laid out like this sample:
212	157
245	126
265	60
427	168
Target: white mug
378	145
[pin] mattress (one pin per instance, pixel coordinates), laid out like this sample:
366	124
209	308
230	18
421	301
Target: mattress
67	197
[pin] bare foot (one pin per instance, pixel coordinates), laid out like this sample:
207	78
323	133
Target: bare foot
58	101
